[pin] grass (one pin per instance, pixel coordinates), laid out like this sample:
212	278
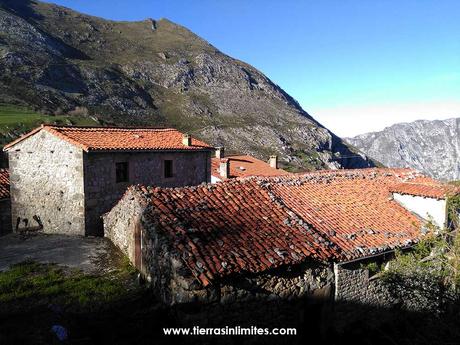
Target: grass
13	116
16	120
94	309
34	284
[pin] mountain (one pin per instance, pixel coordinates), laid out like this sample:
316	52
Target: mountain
432	147
56	61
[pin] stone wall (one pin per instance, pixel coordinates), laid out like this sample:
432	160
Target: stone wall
46	176
102	192
353	284
120	222
5	216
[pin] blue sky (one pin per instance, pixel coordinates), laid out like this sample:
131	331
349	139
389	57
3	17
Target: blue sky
355	65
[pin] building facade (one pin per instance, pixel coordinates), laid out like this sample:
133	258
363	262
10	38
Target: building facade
64	178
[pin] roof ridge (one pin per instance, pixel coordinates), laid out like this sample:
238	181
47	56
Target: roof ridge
99	138
294	177
109	127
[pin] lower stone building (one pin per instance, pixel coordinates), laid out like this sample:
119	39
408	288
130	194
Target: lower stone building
269	238
5	202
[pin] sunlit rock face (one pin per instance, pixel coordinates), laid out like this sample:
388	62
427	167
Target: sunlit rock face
433	147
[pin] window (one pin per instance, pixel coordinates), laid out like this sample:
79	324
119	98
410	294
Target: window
121	172
168	168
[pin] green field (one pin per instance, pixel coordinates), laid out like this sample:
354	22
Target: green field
16	120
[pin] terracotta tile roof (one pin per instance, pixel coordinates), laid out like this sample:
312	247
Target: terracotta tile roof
425	189
117	138
354	208
244	165
232	227
257	223
4	184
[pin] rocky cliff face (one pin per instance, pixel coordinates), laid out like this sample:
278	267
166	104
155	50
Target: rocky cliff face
155	73
432	147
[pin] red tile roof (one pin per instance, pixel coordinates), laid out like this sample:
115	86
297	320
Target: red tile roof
4	184
244	165
428	190
116	138
354	208
232	227
257	223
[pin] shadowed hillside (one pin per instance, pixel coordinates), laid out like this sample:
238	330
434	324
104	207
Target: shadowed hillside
57	61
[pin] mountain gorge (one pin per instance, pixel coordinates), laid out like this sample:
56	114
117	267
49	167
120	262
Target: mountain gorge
156	73
432	147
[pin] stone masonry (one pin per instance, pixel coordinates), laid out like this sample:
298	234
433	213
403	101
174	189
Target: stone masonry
58	187
101	192
46	177
353	284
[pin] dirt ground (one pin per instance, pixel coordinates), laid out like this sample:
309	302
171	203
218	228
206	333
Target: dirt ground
90	254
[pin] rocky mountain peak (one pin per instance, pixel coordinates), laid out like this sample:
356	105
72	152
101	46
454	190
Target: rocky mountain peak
155	72
432	147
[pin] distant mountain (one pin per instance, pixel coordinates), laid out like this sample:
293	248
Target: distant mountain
429	146
56	61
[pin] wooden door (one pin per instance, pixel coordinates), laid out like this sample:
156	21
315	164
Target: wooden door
138	246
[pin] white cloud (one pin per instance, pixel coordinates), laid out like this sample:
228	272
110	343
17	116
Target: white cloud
347	121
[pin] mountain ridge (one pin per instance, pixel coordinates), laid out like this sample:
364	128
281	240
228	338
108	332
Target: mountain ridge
155	72
431	146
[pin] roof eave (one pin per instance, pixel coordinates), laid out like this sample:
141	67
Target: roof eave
421	196
367	257
90	150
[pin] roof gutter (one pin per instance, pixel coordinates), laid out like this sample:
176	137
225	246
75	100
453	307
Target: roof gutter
148	150
391	251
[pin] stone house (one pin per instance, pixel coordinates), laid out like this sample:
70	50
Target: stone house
232	166
5	204
284	237
63	178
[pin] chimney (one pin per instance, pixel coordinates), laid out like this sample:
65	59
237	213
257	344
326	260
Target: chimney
274	162
224	168
220	152
187	139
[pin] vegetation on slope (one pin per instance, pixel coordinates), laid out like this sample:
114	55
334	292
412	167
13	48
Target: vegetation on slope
157	73
430	274
15	120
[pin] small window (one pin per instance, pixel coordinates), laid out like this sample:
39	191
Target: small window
121	170
168	168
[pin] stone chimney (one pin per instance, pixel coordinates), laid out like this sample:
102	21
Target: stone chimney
220	152
187	139
224	168
274	161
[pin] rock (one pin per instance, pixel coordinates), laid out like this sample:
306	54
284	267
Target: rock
432	147
170	77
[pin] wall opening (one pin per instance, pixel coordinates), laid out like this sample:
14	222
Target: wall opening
168	168
138	246
121	172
